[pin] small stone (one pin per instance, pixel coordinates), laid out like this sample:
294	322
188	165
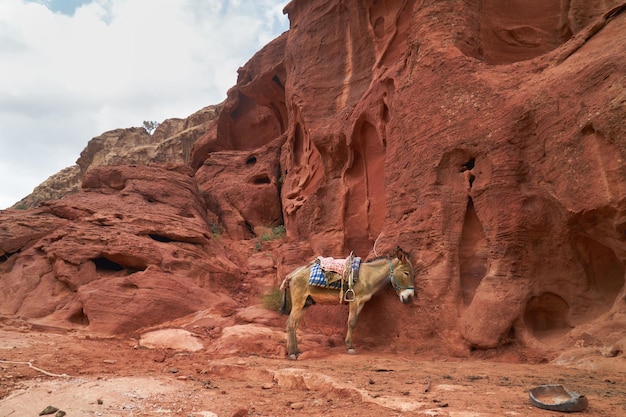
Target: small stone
60	413
240	413
48	410
109	361
99	401
267	385
297	406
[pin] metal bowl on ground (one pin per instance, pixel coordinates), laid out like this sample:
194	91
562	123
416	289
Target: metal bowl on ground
557	398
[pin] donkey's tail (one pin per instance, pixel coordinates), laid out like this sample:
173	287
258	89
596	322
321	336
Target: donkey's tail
283	306
284	286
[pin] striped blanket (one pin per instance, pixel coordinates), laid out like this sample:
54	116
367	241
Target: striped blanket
328	279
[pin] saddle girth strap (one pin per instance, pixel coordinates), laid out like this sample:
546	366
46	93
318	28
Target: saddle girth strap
348	272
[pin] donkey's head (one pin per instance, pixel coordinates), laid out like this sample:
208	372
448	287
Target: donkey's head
401	277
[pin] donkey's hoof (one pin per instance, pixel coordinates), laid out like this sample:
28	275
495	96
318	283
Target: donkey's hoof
352	351
293	356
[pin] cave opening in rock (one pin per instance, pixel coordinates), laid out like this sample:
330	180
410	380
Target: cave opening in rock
604	273
79	317
470	164
547	315
277	81
7	255
261	179
160	238
104	264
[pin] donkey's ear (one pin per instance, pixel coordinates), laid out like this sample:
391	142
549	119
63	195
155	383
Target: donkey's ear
400	254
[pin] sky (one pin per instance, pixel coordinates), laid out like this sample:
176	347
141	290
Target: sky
71	70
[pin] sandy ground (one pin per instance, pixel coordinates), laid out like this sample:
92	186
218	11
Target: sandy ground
84	375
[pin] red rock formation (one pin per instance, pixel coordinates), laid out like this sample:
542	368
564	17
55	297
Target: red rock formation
241	187
132	249
488	141
435	130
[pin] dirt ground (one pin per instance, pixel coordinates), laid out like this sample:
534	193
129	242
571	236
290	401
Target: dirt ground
84	375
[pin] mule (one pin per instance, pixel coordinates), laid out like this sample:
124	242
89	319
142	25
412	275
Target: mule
373	275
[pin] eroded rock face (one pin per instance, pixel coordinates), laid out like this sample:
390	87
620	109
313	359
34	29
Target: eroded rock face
242	187
132	249
488	142
238	158
435	131
171	142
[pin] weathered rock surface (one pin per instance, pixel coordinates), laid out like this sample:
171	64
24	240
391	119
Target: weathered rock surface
242	188
171	143
64	182
487	141
131	249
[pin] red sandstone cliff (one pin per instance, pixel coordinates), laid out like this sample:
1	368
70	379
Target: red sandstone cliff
488	142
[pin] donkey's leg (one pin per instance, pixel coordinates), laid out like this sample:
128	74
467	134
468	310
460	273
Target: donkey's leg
292	327
353	316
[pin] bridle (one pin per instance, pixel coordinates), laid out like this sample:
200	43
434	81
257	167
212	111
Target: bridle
394	281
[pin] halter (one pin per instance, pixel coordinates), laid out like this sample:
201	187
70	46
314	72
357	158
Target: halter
394	281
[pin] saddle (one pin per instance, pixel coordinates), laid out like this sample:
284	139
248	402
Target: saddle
338	274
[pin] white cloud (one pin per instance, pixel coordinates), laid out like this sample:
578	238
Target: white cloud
67	75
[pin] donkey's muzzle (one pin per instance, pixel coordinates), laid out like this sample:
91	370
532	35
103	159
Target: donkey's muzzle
406	296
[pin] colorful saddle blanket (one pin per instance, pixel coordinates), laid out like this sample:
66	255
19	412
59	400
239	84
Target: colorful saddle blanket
320	277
